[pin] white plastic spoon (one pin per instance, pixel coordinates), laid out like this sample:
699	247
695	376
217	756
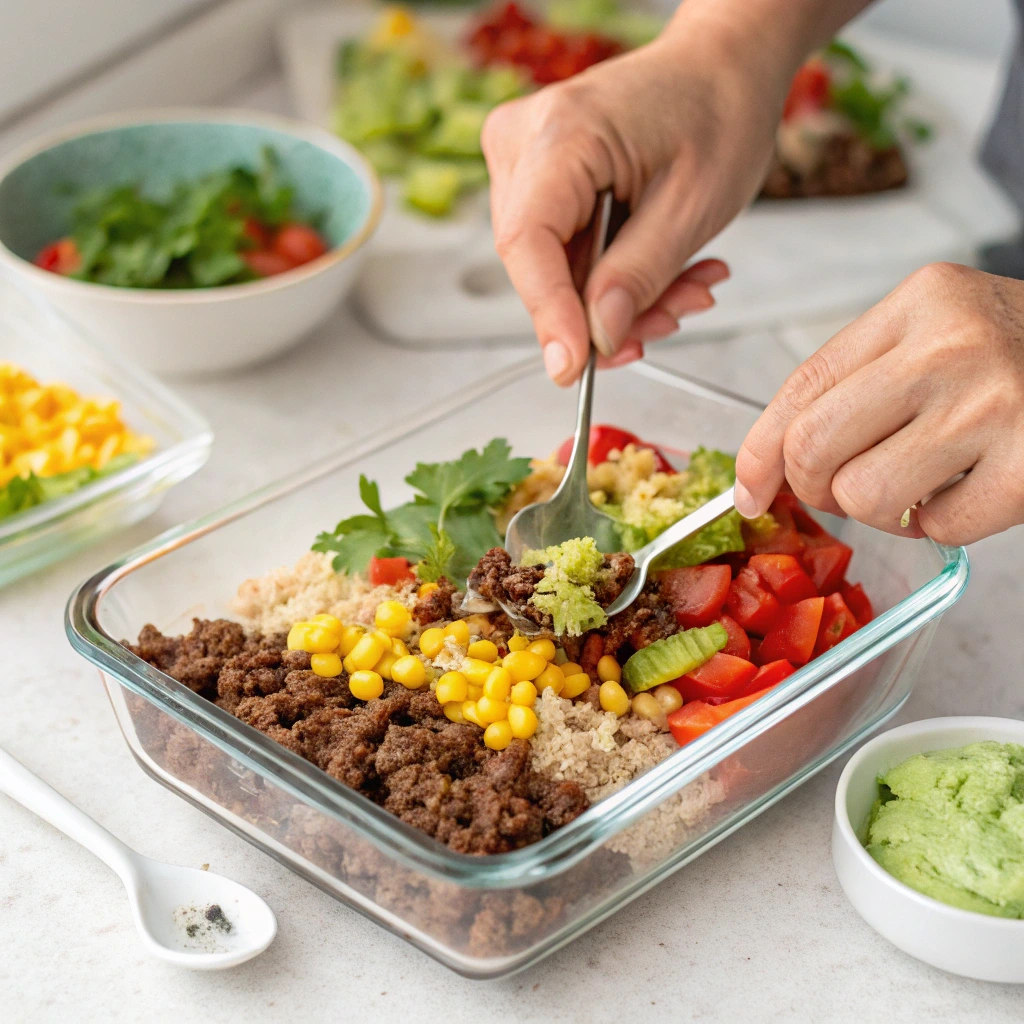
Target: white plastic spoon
175	909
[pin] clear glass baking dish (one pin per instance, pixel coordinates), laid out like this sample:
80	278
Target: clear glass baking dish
486	917
38	340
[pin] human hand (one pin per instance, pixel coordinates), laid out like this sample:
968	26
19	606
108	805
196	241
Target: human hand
924	386
684	143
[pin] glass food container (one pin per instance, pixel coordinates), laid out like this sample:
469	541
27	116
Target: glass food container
39	341
486	917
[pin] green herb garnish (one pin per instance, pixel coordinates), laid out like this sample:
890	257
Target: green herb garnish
446	528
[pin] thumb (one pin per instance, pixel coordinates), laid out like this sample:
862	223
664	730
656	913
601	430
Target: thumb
639	266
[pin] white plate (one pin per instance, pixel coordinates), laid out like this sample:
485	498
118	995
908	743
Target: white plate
791	261
960	941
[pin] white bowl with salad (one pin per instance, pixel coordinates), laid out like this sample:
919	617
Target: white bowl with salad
189	241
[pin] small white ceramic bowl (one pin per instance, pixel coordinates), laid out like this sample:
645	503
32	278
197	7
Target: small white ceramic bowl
197	330
959	941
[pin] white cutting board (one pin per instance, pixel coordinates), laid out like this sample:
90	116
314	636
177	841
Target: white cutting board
431	283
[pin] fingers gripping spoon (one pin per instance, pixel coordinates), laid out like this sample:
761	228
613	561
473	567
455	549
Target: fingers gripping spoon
185	916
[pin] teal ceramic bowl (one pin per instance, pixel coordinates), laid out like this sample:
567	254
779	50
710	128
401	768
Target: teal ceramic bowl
190	330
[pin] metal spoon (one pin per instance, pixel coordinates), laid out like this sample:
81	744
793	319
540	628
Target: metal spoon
687	526
570	513
228	923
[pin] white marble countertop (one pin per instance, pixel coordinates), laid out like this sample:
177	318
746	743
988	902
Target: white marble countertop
756	930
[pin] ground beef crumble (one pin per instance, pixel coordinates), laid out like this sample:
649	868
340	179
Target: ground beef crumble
399	750
850	166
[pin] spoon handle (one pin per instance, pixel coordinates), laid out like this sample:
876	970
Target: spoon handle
30	791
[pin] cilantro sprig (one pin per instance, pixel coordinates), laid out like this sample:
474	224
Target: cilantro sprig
192	239
445	529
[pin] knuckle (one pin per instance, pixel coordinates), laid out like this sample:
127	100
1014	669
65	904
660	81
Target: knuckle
944	528
805	446
811	378
861	492
938	278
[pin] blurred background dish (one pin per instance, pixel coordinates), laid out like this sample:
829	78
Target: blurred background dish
190	329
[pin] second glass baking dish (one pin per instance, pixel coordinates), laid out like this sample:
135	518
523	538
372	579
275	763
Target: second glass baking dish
489	916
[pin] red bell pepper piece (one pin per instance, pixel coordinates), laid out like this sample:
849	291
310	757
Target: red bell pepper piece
605	439
858	602
696	593
697	717
60	257
826	560
808	91
771	674
782	539
738	644
751	604
837	623
794	634
784	576
389	571
722	677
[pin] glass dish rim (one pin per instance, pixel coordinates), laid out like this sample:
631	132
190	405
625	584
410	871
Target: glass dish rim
196	432
414	849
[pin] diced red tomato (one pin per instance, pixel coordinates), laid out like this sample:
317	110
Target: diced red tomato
721	678
60	257
605	439
858	602
697	717
809	90
751	604
298	243
783	539
826	560
265	263
837	623
738	644
389	571
696	593
794	633
257	233
784	576
771	674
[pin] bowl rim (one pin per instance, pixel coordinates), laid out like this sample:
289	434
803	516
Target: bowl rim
567	845
922	728
319	137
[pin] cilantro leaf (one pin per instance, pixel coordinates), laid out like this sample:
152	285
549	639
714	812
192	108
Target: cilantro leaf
437	556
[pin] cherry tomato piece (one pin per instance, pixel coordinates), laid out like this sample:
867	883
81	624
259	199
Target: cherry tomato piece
265	263
298	243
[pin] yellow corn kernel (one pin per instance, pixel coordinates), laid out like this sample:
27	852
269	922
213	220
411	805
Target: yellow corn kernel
398	648
368	651
453	712
575	684
489	710
365	685
522	721
452	687
350	636
384	666
570	668
392	617
613	698
330	621
646	706
476	671
297	636
459	631
668	697
523	665
432	641
552	678
320	639
498	685
609	669
545	648
524	693
326	665
476	691
483	650
410	672
518	643
425	589
498	735
469	713
348	665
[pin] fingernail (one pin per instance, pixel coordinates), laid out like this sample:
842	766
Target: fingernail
745	504
713	273
698	304
610	320
557	361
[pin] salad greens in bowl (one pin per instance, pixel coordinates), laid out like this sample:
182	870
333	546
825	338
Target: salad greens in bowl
189	241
